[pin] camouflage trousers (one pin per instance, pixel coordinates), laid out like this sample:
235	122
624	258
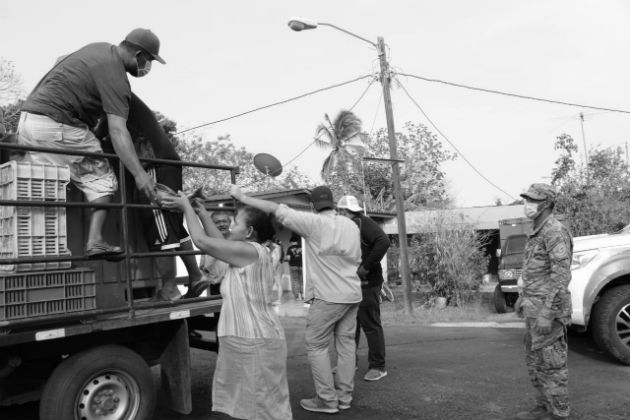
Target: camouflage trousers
548	370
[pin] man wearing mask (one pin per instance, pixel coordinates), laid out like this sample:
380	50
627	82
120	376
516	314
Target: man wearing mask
374	246
545	303
66	104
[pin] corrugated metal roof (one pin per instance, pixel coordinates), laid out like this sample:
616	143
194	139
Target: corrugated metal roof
480	218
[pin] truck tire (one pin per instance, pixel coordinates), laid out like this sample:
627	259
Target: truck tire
499	300
610	323
109	382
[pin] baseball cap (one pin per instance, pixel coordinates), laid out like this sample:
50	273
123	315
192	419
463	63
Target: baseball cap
322	198
146	40
540	192
349	202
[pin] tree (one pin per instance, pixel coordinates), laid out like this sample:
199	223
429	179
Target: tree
11	88
422	179
344	137
12	115
595	197
223	152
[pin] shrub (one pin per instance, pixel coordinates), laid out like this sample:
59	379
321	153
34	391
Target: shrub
450	258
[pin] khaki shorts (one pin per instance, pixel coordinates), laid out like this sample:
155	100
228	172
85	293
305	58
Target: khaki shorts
93	176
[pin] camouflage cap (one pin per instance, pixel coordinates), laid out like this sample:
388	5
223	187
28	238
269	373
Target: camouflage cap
540	192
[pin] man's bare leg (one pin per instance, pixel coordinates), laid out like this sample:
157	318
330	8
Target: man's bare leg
96	245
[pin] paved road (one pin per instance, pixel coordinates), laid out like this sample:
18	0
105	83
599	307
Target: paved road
446	373
435	373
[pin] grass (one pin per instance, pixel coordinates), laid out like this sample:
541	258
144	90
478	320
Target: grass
479	308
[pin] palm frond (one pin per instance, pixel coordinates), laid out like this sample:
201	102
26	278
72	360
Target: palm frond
346	125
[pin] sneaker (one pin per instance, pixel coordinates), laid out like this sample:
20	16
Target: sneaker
375	374
316	405
344	406
533	414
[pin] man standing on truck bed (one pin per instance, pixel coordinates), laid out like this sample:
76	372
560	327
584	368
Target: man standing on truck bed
545	303
66	104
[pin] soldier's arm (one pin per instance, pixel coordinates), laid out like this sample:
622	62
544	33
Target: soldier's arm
558	246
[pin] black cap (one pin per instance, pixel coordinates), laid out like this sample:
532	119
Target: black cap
146	40
322	198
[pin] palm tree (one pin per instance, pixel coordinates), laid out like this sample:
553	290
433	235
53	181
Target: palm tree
344	137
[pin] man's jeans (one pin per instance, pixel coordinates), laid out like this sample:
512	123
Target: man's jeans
324	321
369	320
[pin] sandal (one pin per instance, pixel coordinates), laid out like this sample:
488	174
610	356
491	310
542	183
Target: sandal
101	249
197	289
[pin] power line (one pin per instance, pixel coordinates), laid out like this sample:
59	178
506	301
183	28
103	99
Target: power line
452	145
515	95
363	94
278	103
351	108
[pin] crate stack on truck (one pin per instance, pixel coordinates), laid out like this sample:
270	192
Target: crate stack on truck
30	290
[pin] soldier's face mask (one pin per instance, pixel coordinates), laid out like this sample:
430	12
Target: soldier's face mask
533	209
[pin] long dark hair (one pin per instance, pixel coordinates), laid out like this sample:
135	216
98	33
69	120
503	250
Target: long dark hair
260	221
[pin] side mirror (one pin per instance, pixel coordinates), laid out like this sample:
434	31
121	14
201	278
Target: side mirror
498	252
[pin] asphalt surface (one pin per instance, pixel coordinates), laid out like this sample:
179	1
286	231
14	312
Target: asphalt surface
434	373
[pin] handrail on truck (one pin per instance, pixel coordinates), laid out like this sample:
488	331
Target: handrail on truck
126	255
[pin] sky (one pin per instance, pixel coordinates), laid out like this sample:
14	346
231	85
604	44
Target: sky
224	58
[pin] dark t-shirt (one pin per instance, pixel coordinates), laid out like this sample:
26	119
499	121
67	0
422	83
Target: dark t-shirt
83	86
294	252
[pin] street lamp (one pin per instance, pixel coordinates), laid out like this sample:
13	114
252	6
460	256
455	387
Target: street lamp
300	24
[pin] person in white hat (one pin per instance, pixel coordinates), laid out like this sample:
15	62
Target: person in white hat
374	245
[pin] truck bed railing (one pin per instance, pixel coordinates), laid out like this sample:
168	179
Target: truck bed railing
127	255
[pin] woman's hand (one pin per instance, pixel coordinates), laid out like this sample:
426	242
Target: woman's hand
198	206
178	202
236	193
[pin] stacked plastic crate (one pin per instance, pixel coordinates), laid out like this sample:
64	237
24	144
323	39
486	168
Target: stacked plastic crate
33	289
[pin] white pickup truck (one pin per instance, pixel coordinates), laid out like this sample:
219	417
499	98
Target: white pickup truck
600	290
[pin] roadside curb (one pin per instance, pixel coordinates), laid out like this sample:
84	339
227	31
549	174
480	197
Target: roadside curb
512	324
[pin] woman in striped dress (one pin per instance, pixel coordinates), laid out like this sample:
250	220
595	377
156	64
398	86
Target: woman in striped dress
250	379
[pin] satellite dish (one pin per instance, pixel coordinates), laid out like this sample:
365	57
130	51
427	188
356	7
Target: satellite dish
267	164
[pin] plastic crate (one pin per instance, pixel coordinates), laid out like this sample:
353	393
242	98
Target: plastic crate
33	231
34	294
33	181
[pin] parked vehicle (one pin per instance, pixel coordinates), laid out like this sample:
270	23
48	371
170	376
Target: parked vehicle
600	290
600	285
513	235
81	339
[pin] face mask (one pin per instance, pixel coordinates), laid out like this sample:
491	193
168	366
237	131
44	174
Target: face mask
532	210
144	70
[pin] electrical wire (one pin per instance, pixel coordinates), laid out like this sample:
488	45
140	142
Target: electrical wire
278	103
515	95
351	108
452	145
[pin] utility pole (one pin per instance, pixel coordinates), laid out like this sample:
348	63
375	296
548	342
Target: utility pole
393	154
584	139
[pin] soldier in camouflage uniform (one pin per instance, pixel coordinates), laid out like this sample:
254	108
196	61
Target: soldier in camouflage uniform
545	303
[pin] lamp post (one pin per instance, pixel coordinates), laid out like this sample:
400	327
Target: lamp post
300	24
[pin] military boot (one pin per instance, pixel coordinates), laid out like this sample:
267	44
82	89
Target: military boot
537	413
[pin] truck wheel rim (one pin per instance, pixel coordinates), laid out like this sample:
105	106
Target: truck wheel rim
111	395
623	325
